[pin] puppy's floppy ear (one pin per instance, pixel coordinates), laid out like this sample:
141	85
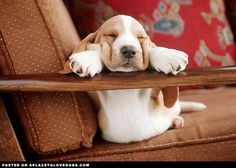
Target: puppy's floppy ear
86	41
66	69
106	43
81	47
170	95
146	44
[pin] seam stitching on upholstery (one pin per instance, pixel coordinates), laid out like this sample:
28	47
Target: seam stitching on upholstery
48	30
51	37
164	146
20	97
7	118
76	106
37	146
72	94
7	57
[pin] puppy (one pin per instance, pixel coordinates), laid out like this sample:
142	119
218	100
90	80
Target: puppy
122	45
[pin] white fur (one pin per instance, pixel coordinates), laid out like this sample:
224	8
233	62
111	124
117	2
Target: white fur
129	115
187	106
130	118
86	63
168	60
126	38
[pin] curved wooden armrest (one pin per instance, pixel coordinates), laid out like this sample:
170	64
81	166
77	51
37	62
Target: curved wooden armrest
112	81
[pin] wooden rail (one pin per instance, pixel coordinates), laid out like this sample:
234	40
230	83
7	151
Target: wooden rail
112	81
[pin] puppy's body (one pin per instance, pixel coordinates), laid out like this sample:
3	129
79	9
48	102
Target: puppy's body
133	115
122	45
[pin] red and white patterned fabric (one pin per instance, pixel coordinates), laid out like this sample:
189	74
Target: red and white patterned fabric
198	27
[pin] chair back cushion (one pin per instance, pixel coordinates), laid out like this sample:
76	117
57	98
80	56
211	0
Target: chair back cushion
37	37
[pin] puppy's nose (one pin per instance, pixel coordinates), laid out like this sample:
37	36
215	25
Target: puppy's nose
128	51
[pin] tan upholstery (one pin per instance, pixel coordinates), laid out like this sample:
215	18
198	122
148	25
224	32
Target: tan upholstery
9	146
207	135
37	37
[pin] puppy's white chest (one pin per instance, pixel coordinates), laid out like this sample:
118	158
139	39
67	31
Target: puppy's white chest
127	114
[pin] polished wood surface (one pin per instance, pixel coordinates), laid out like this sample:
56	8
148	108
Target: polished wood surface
112	81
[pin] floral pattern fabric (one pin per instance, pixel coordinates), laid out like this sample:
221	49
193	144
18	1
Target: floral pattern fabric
198	27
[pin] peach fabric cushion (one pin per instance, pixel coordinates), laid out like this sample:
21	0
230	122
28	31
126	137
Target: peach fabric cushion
37	37
208	135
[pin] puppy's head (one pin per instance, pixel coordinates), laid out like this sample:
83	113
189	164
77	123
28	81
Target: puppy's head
123	44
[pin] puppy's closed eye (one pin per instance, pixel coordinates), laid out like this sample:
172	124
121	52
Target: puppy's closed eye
141	37
114	35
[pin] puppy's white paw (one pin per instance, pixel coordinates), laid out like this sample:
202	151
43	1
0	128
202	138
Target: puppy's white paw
86	63
178	122
168	60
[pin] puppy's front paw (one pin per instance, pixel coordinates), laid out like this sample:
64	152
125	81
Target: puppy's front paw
86	63
168	60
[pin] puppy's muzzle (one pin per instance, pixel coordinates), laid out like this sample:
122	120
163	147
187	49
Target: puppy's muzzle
128	52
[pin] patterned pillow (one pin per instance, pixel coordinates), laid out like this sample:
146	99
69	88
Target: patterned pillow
196	27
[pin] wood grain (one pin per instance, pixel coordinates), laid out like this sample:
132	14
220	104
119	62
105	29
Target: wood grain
112	81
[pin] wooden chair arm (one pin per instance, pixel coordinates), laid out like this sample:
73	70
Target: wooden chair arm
112	81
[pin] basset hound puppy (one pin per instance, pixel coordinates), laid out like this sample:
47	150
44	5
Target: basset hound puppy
122	45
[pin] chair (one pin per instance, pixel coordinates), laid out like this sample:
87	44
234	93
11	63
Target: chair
39	101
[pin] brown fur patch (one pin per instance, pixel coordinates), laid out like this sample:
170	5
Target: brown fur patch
66	68
156	98
164	97
142	92
106	36
144	41
170	96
